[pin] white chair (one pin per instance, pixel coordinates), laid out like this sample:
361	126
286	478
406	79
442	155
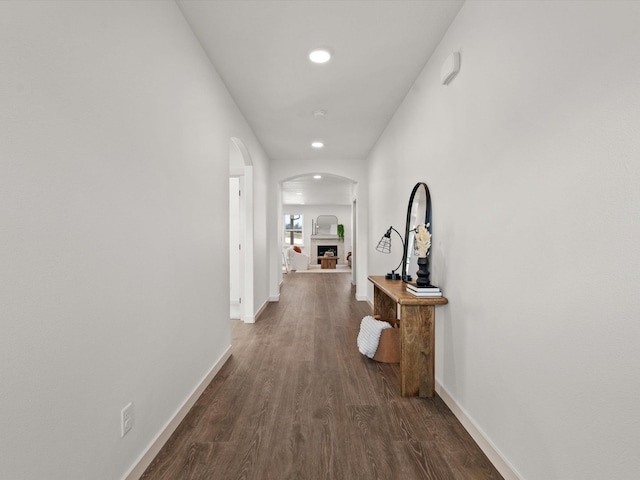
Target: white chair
298	261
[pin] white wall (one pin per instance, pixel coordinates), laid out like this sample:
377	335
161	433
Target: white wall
531	156
113	192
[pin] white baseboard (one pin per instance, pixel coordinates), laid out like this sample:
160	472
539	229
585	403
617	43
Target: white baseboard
274	298
262	308
361	298
253	318
152	451
495	457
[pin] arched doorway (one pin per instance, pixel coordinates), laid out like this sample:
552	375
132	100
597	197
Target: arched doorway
304	197
241	232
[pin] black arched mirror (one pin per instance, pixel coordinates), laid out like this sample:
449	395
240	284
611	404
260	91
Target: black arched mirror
418	213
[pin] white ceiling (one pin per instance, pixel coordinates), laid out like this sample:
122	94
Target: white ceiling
260	49
328	190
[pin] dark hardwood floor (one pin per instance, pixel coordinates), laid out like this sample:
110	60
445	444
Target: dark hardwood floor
296	400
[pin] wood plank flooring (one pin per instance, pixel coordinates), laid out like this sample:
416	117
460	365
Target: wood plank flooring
296	400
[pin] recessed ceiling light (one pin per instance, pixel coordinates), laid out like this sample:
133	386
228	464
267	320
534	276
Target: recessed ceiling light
317	177
298	193
317	144
319	113
320	55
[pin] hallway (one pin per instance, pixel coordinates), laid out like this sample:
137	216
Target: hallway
296	400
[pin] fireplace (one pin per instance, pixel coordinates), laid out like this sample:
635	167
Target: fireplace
320	244
322	249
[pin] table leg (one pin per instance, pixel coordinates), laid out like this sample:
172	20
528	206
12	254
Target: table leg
417	351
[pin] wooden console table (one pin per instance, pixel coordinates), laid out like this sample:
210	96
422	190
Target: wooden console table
417	333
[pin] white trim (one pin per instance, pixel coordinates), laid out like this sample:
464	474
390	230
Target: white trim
248	243
253	318
246	227
234	309
262	309
486	445
363	298
154	448
274	298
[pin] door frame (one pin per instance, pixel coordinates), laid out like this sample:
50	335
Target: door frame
240	165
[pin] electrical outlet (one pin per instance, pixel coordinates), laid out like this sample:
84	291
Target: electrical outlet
126	419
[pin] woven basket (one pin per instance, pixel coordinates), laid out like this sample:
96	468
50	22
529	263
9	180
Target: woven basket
389	347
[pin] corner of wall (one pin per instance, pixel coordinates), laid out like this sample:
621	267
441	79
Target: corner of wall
503	466
156	445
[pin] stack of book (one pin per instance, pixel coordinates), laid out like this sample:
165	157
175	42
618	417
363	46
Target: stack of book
430	291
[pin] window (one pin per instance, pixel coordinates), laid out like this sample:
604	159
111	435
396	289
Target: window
293	229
